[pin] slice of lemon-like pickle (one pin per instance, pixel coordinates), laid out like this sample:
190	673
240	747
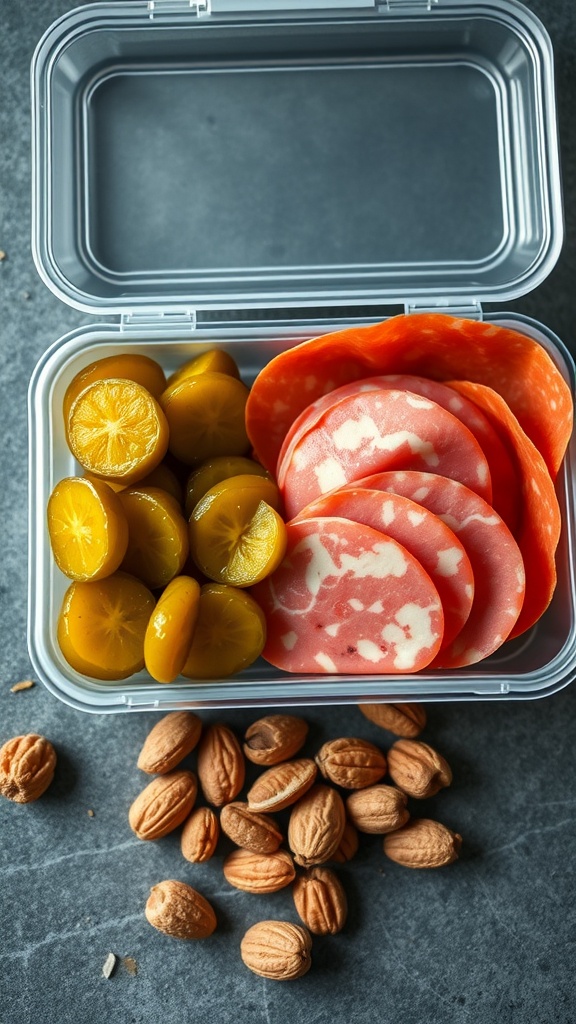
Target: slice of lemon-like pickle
215	360
87	528
102	625
237	535
157	535
124	365
213	471
205	415
116	429
229	636
171	628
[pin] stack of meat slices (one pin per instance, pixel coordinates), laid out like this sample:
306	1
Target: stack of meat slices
422	514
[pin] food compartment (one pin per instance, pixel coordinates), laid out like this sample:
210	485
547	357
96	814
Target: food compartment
536	663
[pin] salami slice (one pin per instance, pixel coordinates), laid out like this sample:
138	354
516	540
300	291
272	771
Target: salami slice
377	431
505	485
539	529
296	377
496	561
514	365
427	344
348	600
422	533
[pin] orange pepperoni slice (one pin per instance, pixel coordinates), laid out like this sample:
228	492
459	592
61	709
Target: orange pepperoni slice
431	345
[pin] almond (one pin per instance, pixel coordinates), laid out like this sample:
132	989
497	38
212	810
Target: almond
378	809
251	831
180	911
200	835
320	900
351	763
163	805
349	844
274	738
259	872
221	767
401	719
423	843
316	826
169	742
277	949
282	785
417	769
27	765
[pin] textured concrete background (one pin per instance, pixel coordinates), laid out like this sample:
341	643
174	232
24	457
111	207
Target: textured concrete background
488	939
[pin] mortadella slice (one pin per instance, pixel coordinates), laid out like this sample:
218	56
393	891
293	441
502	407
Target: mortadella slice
506	498
494	554
422	533
348	600
431	345
505	484
377	431
540	524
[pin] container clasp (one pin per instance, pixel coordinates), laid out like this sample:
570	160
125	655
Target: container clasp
198	7
470	310
178	319
402	5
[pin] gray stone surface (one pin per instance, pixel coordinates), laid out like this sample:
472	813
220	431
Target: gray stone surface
490	939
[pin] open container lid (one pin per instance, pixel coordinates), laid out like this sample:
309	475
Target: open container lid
253	154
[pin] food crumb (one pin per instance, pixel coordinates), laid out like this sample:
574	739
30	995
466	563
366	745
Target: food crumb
129	963
90	813
109	965
2	255
25	295
26	684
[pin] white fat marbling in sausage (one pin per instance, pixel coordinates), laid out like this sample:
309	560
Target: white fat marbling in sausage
495	557
348	599
422	533
377	431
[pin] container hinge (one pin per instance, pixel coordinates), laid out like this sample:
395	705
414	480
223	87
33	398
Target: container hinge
133	704
200	8
403	5
471	310
169	320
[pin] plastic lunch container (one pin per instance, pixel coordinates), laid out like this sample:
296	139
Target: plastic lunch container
251	173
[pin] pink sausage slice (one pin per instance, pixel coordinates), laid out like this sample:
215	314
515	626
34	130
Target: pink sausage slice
422	533
349	600
506	490
506	494
540	522
310	416
378	431
494	554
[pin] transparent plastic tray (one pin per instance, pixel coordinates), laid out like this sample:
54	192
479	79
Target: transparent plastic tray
539	662
235	173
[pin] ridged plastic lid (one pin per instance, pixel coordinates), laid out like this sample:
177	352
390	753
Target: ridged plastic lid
222	157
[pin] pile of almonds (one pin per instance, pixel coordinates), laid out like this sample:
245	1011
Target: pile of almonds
330	799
